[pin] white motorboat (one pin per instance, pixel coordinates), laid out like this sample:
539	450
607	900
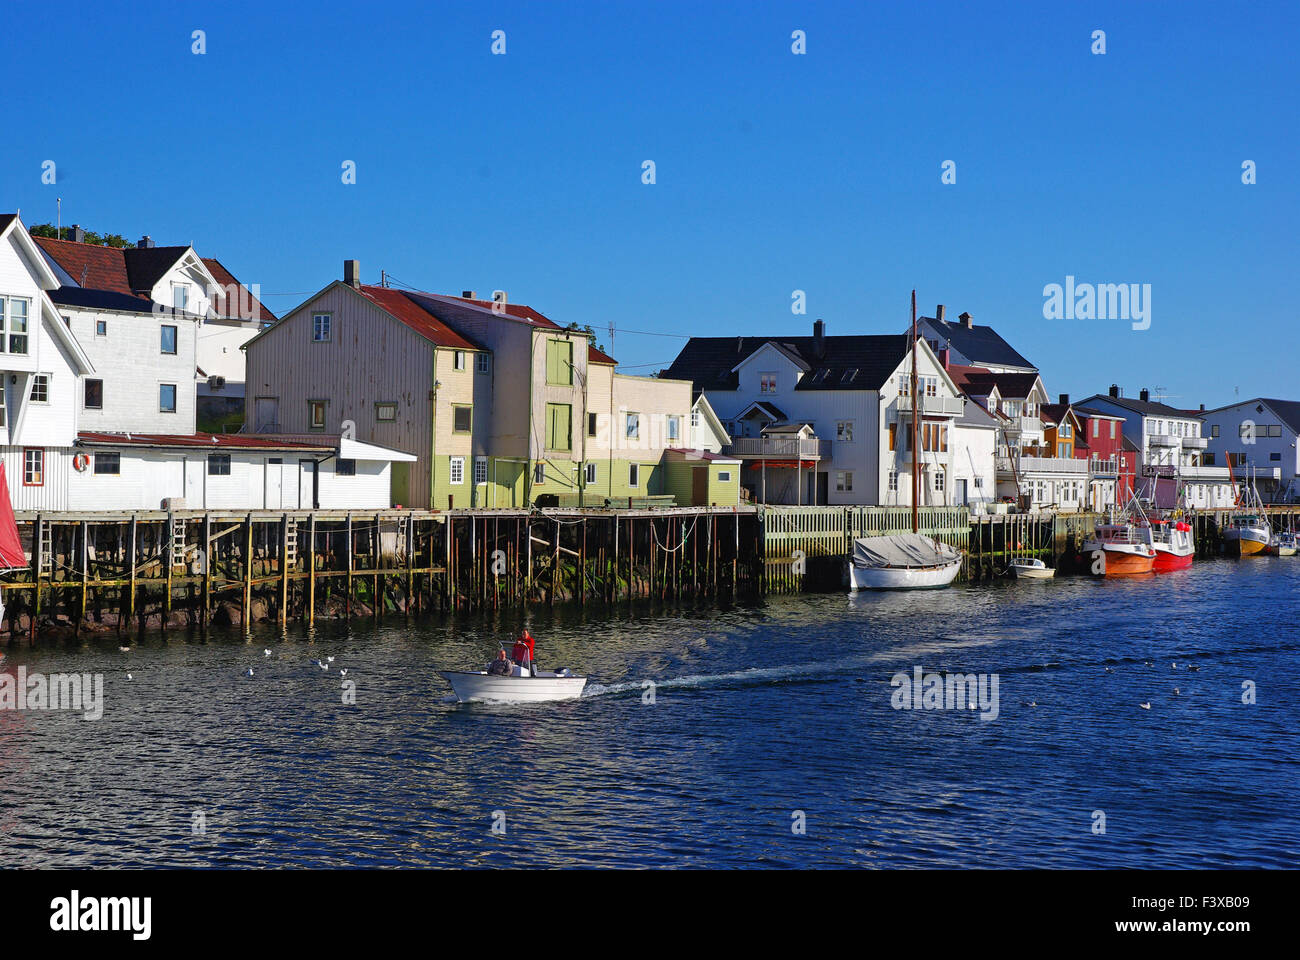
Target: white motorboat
520	686
1031	568
903	561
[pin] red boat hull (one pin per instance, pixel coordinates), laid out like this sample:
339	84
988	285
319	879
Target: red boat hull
1168	561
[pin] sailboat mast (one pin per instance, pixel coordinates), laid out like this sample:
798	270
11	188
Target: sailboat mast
916	432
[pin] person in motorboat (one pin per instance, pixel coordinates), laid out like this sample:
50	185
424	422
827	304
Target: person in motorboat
524	651
501	666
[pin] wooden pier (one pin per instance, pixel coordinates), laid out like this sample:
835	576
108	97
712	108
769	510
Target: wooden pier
127	573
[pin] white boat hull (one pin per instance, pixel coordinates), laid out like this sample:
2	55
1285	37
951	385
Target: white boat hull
487	687
1033	573
902	578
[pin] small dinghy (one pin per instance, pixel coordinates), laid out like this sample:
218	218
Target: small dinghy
1031	568
522	685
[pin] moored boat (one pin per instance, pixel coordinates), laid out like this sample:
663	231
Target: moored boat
1172	542
1031	568
1118	550
1284	544
903	561
1247	535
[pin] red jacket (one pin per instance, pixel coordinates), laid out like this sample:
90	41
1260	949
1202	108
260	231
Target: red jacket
523	650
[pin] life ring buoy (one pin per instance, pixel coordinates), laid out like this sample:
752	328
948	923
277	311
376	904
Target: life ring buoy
80	462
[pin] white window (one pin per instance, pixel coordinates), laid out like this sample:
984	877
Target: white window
320	327
634	474
674	428
109	464
591	473
633	429
893	479
844	431
218	464
40	388
458	360
2	405
480	470
938	481
180	296
386	411
1112	429
844	481
931	385
724	476
13	325
33	467
484	362
695	419
767	382
457	470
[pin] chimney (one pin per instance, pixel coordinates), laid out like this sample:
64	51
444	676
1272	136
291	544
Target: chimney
967	320
145	241
499	296
1202	406
945	353
1114	390
76	234
819	337
1144	395
939	312
352	273
468	295
1065	399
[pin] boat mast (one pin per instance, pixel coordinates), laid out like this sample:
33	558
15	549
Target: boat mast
916	431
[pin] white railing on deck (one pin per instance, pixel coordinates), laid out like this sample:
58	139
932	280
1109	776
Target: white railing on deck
778	448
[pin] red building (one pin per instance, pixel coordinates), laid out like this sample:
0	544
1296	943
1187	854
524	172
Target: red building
1115	459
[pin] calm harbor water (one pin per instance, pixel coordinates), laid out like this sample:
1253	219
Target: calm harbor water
759	712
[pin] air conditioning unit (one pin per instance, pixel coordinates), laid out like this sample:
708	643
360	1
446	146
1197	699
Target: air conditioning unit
216	383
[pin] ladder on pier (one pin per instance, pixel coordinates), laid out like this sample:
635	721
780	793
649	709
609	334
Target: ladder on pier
291	541
45	550
176	540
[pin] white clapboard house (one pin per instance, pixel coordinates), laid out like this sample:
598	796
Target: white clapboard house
63	454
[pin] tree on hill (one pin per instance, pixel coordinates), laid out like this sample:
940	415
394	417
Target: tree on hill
89	236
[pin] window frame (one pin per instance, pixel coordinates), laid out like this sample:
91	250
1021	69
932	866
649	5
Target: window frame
634	474
40	466
85	398
162	340
341	471
175	397
327	328
102	459
590	473
312	404
382	405
480	466
216	462
483	362
9	331
457	409
38	378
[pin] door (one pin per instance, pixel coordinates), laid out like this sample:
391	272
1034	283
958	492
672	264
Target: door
961	500
306	484
823	488
700	487
267	414
274	483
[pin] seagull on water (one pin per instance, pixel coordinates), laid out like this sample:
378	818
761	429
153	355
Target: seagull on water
1193	668
124	649
266	652
129	677
248	672
343	673
329	659
1145	706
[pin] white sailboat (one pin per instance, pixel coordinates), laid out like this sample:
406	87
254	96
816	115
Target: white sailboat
904	561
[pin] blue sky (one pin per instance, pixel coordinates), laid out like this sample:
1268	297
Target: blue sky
775	172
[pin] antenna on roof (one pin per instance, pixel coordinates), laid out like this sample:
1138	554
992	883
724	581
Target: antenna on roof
1162	394
611	337
58	218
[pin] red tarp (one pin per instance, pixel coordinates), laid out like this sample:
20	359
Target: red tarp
11	548
784	464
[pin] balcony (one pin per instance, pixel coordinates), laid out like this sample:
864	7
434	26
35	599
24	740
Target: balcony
935	406
1163	440
1217	474
1102	468
1061	466
1017	426
1195	443
778	448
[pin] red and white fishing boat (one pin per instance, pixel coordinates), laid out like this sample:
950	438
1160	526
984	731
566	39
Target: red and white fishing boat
1118	550
1172	542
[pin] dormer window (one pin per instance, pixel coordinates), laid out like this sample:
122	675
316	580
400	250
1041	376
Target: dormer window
767	382
13	325
180	296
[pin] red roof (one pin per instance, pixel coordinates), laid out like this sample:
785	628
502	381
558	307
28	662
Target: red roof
217	441
89	265
599	356
416	317
517	310
247	308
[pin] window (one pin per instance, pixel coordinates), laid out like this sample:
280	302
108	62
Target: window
843	481
345	467
386	412
40	388
1063	450
180	296
462	418
590	473
480	469
539	472
559	426
591	424
893	480
931	386
33	467
634	474
320	327
458	360
724	476
1064	431
633	426
166	398
893	431
559	362
844	431
767	382
316	414
2	405
94	397
674	428
979	483
939	476
13	325
101	328
1275	456
1214	430
1096	428
904	386
457	470
1275	430
168	344
695	419
1112	429
483	362
218	464
108	463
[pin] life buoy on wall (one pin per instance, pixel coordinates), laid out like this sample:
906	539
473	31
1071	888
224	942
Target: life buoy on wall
80	462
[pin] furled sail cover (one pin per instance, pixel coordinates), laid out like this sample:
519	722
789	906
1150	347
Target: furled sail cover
902	550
